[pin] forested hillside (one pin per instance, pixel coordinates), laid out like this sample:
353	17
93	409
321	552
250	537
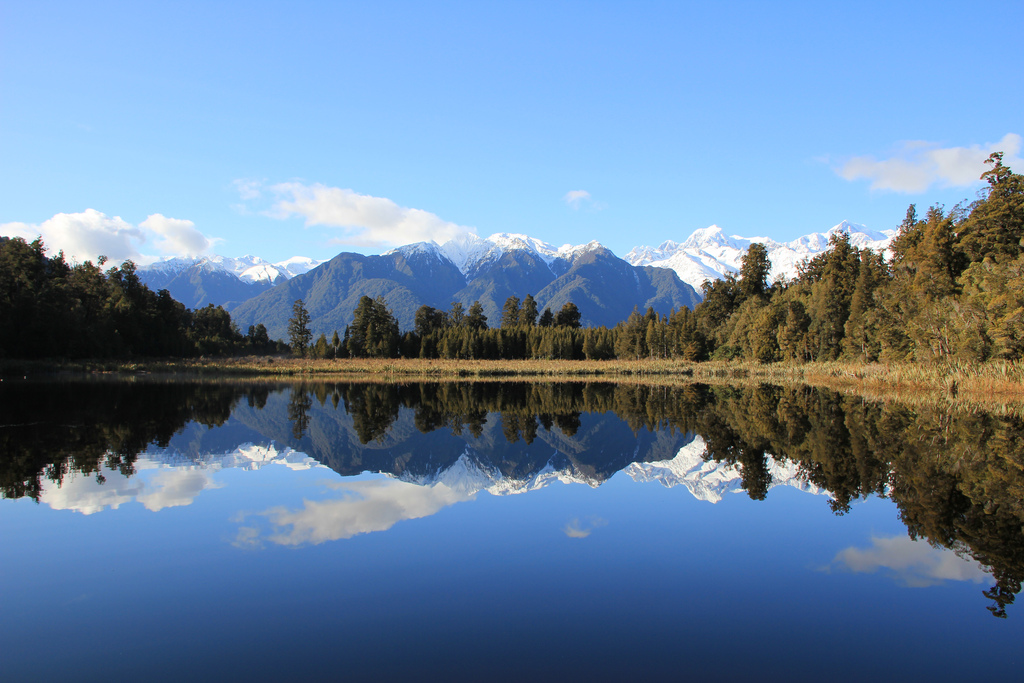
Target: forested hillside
50	309
953	289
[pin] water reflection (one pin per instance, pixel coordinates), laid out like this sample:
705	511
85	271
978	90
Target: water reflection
915	563
954	476
362	507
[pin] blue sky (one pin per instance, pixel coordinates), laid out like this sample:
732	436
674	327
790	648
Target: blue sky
284	129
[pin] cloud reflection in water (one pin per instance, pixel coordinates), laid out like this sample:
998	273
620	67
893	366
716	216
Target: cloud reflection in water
914	563
365	506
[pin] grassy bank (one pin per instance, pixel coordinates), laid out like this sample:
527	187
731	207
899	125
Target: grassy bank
984	383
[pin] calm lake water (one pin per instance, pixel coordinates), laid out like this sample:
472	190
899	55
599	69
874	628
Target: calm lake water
165	530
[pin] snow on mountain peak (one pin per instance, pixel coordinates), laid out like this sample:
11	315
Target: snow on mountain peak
247	268
702	238
708	254
468	252
430	248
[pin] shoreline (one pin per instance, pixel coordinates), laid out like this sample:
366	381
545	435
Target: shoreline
984	384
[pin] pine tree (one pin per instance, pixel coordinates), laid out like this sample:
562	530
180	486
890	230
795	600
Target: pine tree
528	313
298	329
568	316
510	312
475	318
754	270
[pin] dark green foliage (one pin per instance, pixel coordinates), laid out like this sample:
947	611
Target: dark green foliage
299	334
754	270
475	318
528	312
568	316
49	309
510	312
374	330
952	290
995	226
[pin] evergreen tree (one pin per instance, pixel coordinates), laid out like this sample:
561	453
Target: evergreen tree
510	312
374	330
528	313
321	348
475	318
995	225
429	320
568	316
456	315
754	269
298	329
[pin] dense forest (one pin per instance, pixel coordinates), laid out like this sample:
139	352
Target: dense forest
51	309
952	288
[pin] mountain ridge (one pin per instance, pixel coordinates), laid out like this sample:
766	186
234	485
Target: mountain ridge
469	268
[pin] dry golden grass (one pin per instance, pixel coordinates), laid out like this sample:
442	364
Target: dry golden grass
997	385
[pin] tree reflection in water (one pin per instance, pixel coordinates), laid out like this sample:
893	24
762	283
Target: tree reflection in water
956	477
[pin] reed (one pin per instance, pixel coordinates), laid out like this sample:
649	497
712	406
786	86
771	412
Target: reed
990	384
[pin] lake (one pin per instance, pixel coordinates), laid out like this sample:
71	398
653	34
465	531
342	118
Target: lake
197	530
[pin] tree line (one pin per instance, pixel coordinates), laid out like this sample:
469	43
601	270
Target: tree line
952	288
52	309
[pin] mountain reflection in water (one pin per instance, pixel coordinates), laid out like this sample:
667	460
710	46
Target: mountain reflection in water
955	477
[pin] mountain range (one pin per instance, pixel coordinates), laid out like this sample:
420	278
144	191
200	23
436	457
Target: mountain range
221	280
710	254
469	268
604	287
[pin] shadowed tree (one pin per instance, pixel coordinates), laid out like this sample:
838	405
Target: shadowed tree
298	329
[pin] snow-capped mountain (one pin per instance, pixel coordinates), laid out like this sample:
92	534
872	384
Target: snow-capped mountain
247	268
603	287
472	254
710	254
220	280
469	268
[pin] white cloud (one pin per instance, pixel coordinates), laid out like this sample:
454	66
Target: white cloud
581	198
248	189
91	233
576	197
915	563
577	529
367	506
176	236
916	166
84	235
366	220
